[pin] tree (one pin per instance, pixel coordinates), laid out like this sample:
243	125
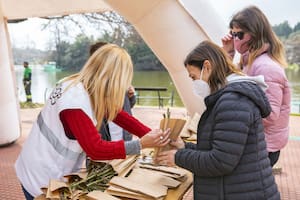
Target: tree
297	27
283	29
59	55
142	56
72	56
78	52
114	28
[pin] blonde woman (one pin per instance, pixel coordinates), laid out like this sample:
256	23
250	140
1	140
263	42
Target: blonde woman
66	128
262	53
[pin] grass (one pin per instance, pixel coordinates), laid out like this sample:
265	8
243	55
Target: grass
24	105
294	67
295	114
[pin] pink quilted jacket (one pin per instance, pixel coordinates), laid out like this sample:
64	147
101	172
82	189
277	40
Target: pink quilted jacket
278	92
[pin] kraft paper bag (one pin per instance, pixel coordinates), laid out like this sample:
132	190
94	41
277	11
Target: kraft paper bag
189	131
185	133
193	125
155	191
193	137
152	178
54	188
75	176
121	192
175	126
121	166
99	195
177	172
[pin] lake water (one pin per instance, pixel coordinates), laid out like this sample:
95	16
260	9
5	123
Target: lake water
44	81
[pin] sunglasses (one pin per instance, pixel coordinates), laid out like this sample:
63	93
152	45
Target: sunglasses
239	34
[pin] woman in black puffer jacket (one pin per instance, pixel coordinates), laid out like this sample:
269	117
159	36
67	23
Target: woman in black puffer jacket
230	160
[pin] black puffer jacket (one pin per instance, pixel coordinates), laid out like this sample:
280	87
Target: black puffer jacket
230	160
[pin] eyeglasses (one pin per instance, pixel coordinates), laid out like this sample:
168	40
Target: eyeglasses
239	34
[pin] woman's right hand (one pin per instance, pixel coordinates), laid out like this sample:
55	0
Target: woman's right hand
228	45
178	143
155	138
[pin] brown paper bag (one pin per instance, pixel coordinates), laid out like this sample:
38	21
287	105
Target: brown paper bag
121	192
193	125
175	172
155	191
185	132
99	195
54	188
41	197
121	166
175	126
152	178
75	176
193	137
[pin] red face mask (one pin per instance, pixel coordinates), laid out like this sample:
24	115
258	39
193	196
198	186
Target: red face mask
241	44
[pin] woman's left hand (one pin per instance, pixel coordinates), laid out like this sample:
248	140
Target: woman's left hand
155	138
166	158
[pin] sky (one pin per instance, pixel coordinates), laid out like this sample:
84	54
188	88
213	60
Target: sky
277	11
29	33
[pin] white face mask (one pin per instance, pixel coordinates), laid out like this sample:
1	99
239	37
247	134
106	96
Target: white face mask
200	87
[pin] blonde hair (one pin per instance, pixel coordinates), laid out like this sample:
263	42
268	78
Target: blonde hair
253	21
106	76
221	64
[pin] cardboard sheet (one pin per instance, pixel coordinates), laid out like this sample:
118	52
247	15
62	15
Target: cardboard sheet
152	178
179	172
145	188
121	192
99	195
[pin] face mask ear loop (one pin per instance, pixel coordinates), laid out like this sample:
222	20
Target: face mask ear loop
201	73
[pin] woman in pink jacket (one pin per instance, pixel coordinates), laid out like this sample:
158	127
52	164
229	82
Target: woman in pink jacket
262	53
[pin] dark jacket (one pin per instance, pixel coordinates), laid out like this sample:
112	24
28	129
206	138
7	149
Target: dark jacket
230	160
128	104
104	129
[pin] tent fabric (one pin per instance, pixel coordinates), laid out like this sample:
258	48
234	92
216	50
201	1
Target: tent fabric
16	9
171	29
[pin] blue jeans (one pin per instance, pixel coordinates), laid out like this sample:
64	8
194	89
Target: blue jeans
27	194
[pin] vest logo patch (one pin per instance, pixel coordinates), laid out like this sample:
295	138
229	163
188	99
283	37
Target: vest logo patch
56	94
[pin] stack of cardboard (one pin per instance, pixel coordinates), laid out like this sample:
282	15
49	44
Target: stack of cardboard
58	190
147	182
124	187
135	181
64	189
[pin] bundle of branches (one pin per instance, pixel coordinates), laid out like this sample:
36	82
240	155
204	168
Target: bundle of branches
78	186
98	176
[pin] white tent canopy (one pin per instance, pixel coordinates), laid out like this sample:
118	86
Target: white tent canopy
171	28
14	9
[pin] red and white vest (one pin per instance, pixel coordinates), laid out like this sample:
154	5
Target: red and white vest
48	153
